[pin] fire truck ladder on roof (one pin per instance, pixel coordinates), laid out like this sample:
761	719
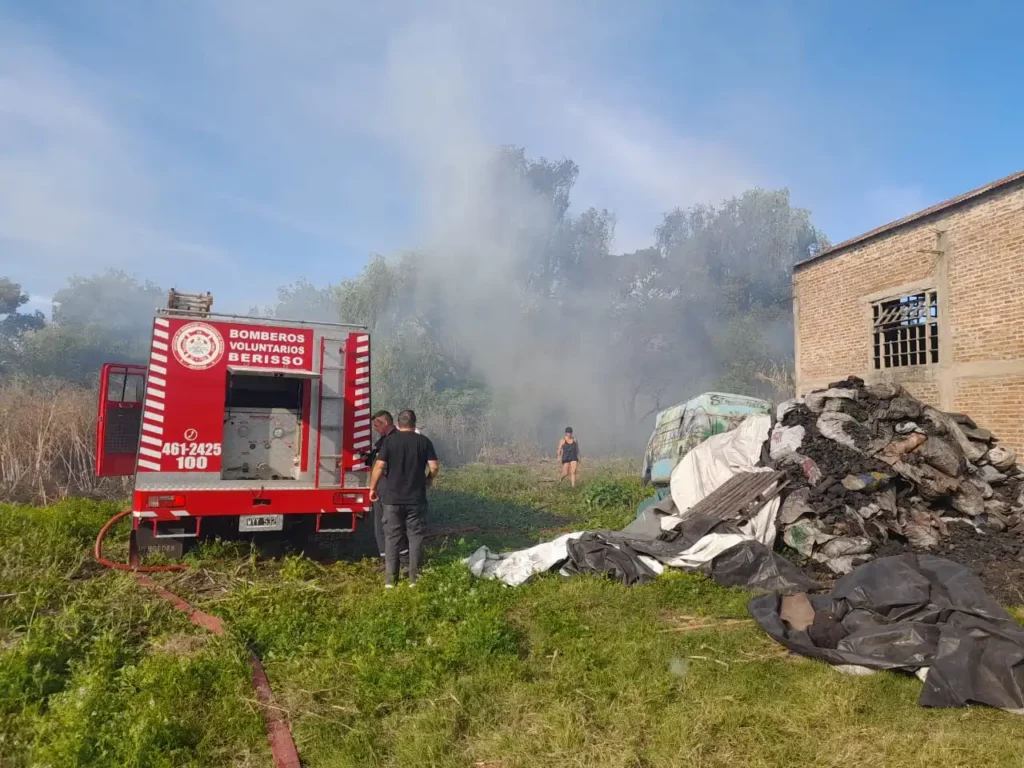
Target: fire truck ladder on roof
193	303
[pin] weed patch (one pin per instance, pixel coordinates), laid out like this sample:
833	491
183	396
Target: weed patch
95	671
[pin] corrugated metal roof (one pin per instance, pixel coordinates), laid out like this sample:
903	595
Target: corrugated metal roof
938	208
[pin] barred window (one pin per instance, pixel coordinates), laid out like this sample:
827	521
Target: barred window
906	331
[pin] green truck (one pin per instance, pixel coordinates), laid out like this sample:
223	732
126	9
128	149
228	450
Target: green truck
679	428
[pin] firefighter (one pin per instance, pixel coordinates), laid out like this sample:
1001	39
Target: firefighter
410	463
383	425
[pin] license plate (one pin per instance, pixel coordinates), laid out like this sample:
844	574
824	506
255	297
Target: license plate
248	523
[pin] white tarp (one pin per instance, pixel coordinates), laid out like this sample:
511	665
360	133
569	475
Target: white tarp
706	468
717	459
701	471
515	568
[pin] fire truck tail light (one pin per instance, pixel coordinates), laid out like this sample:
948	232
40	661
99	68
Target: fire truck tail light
346	498
165	501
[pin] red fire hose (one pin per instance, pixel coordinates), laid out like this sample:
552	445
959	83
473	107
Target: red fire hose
282	746
133	560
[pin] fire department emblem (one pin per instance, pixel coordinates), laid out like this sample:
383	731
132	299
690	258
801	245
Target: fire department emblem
198	346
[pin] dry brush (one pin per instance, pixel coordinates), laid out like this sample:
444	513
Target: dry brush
47	443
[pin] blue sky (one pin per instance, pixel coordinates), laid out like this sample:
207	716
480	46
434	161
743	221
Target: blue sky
235	145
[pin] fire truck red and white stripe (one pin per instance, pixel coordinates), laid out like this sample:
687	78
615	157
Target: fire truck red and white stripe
151	440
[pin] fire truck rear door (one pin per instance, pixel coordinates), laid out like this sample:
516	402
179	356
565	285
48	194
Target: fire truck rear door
119	418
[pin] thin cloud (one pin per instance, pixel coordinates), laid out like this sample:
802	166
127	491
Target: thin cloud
76	193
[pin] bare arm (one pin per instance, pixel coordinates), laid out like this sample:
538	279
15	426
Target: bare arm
378	470
561	443
433	468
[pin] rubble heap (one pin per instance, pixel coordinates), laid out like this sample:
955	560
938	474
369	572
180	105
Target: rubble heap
874	470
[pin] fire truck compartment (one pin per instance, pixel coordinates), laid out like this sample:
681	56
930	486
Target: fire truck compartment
263	423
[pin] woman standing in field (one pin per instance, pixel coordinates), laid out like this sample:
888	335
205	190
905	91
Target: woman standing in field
569	456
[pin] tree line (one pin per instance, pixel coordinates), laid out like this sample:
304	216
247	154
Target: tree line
583	332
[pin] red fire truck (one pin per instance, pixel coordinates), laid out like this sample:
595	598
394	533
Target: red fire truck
239	424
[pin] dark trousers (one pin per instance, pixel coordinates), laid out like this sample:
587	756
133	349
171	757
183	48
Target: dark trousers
381	535
403	520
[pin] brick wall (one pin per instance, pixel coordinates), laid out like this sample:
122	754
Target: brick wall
831	335
995	403
927	391
981	301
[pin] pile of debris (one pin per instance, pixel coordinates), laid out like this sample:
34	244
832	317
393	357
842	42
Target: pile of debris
874	471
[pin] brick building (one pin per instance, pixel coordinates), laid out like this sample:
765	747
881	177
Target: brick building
934	301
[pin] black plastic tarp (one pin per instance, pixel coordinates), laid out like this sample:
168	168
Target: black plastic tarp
595	553
911	612
751	565
618	555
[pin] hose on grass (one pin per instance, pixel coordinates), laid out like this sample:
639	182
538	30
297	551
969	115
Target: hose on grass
282	746
134	567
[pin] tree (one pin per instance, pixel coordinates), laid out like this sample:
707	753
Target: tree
73	353
517	317
96	319
14	323
731	271
114	304
302	300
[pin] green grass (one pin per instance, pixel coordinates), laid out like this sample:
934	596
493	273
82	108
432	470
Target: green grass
95	671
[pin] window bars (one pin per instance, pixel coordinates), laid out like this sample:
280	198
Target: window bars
906	331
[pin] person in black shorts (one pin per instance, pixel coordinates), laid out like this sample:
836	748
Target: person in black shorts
569	456
410	462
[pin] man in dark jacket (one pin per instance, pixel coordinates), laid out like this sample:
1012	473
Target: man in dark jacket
410	463
383	425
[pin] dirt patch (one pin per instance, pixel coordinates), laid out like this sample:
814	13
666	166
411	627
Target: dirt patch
181	645
684	623
87	569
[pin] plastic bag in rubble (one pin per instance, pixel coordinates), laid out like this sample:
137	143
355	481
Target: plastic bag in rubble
883	390
869	481
785	441
906	427
981	485
844	564
842	554
841	546
809	467
971	450
931	484
969	500
831	424
805	536
920	530
903	407
943	454
991	475
895	450
1002	458
815	401
787	406
796	505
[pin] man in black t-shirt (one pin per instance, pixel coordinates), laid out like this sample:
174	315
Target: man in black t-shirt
411	465
384	425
